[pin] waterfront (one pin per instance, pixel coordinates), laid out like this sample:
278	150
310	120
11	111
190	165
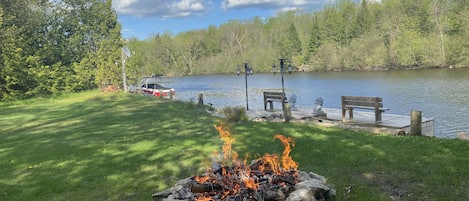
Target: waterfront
441	94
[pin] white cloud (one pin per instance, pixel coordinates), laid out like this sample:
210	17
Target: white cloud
272	4
188	5
182	8
161	8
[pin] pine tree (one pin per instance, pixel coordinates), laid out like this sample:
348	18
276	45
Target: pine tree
290	44
315	40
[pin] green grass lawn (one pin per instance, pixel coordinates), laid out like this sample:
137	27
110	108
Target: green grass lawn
105	146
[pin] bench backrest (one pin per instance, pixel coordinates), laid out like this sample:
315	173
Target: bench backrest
362	101
274	95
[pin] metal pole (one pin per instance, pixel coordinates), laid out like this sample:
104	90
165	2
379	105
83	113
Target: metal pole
283	88
246	79
124	76
282	69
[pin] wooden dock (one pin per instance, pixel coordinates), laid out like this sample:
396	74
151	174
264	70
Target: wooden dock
391	123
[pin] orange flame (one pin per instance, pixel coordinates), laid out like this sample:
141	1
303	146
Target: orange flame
228	141
204	198
201	179
287	161
250	183
238	176
272	162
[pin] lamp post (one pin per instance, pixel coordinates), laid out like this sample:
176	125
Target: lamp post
282	71
285	106
247	71
125	54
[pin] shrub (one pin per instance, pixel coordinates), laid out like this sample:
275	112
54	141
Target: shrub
234	114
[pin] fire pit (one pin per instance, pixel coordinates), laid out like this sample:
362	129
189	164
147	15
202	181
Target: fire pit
268	178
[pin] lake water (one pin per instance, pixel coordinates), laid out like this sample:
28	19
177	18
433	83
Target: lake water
442	94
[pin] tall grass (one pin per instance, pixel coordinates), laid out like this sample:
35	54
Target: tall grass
105	146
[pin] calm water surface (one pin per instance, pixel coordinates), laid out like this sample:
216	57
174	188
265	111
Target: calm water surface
441	94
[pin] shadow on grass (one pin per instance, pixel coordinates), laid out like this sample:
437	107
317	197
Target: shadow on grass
94	146
107	146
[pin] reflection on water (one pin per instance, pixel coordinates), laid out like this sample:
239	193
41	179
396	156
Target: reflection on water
441	94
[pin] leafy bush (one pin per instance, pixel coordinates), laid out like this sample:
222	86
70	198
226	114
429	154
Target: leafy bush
234	114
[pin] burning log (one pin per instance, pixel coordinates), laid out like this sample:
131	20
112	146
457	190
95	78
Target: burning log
310	186
270	178
205	188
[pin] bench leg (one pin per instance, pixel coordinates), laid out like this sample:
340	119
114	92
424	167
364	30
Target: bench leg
343	114
378	116
350	114
271	105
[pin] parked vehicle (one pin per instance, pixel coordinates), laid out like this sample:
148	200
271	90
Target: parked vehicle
157	90
150	87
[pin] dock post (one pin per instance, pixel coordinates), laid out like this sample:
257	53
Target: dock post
201	100
416	122
286	112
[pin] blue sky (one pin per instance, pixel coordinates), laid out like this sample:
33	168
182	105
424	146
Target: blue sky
143	18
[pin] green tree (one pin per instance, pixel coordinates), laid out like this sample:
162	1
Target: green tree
458	31
55	46
344	35
418	15
315	39
289	45
15	32
100	38
363	21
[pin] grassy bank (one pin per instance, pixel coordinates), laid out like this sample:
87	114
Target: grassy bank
103	146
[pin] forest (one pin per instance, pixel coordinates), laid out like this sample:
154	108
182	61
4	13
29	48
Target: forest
60	46
53	47
345	35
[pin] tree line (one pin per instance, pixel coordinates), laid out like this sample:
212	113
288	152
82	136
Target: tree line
345	35
50	47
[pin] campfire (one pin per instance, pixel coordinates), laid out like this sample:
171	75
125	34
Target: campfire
270	177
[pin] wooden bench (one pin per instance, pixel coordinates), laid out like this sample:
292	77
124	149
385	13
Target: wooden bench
367	103
270	97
